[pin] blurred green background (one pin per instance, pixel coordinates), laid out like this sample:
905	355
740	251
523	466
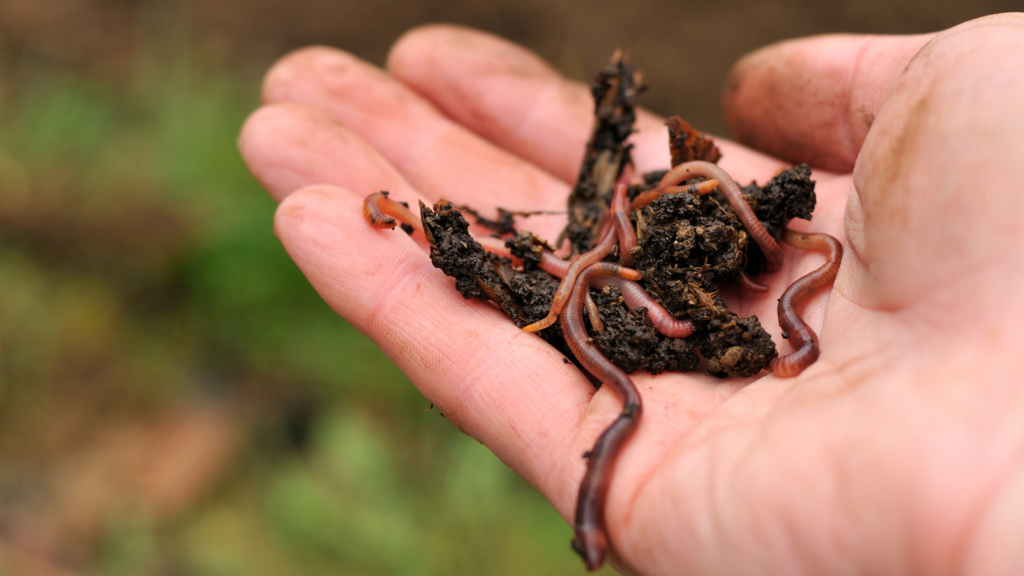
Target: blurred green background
174	397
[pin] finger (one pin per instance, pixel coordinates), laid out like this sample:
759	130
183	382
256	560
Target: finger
289	146
933	201
814	99
476	366
513	98
436	155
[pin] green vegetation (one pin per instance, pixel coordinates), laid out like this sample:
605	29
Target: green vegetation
141	281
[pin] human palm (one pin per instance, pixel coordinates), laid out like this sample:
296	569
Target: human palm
899	450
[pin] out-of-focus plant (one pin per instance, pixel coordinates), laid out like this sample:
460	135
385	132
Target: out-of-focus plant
174	397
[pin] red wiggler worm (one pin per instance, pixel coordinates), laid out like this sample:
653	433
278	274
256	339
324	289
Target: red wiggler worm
634	295
591	540
623	227
593	313
732	193
748	284
646	198
382	212
801	336
595	254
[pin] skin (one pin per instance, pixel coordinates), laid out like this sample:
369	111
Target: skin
901	450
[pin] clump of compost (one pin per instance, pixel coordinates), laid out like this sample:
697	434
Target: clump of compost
688	246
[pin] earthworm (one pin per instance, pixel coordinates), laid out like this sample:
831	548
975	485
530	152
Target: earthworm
381	212
623	227
591	540
748	284
494	245
593	313
646	198
732	193
595	254
553	264
634	295
800	335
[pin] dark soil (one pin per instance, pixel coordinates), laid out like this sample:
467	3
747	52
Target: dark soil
615	91
687	247
629	339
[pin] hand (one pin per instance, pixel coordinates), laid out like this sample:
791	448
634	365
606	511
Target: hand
900	450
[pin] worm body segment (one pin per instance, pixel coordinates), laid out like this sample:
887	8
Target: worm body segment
591	540
646	198
623	227
593	313
382	212
801	336
634	295
732	193
748	283
596	254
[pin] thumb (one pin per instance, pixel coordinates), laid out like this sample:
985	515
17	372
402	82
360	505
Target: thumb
813	99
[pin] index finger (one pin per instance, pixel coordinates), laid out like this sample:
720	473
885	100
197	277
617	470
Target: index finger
513	98
509	389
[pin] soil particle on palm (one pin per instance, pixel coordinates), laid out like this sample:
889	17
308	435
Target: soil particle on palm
736	346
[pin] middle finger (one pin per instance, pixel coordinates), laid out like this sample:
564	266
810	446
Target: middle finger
436	155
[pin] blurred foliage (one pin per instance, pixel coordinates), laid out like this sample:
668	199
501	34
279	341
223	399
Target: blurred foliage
174	396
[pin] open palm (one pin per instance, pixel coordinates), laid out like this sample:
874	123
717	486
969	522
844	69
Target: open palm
900	450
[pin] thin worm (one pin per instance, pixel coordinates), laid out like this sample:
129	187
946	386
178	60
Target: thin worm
591	540
748	283
495	246
593	313
646	198
801	336
623	227
381	212
604	224
603	248
634	295
732	193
